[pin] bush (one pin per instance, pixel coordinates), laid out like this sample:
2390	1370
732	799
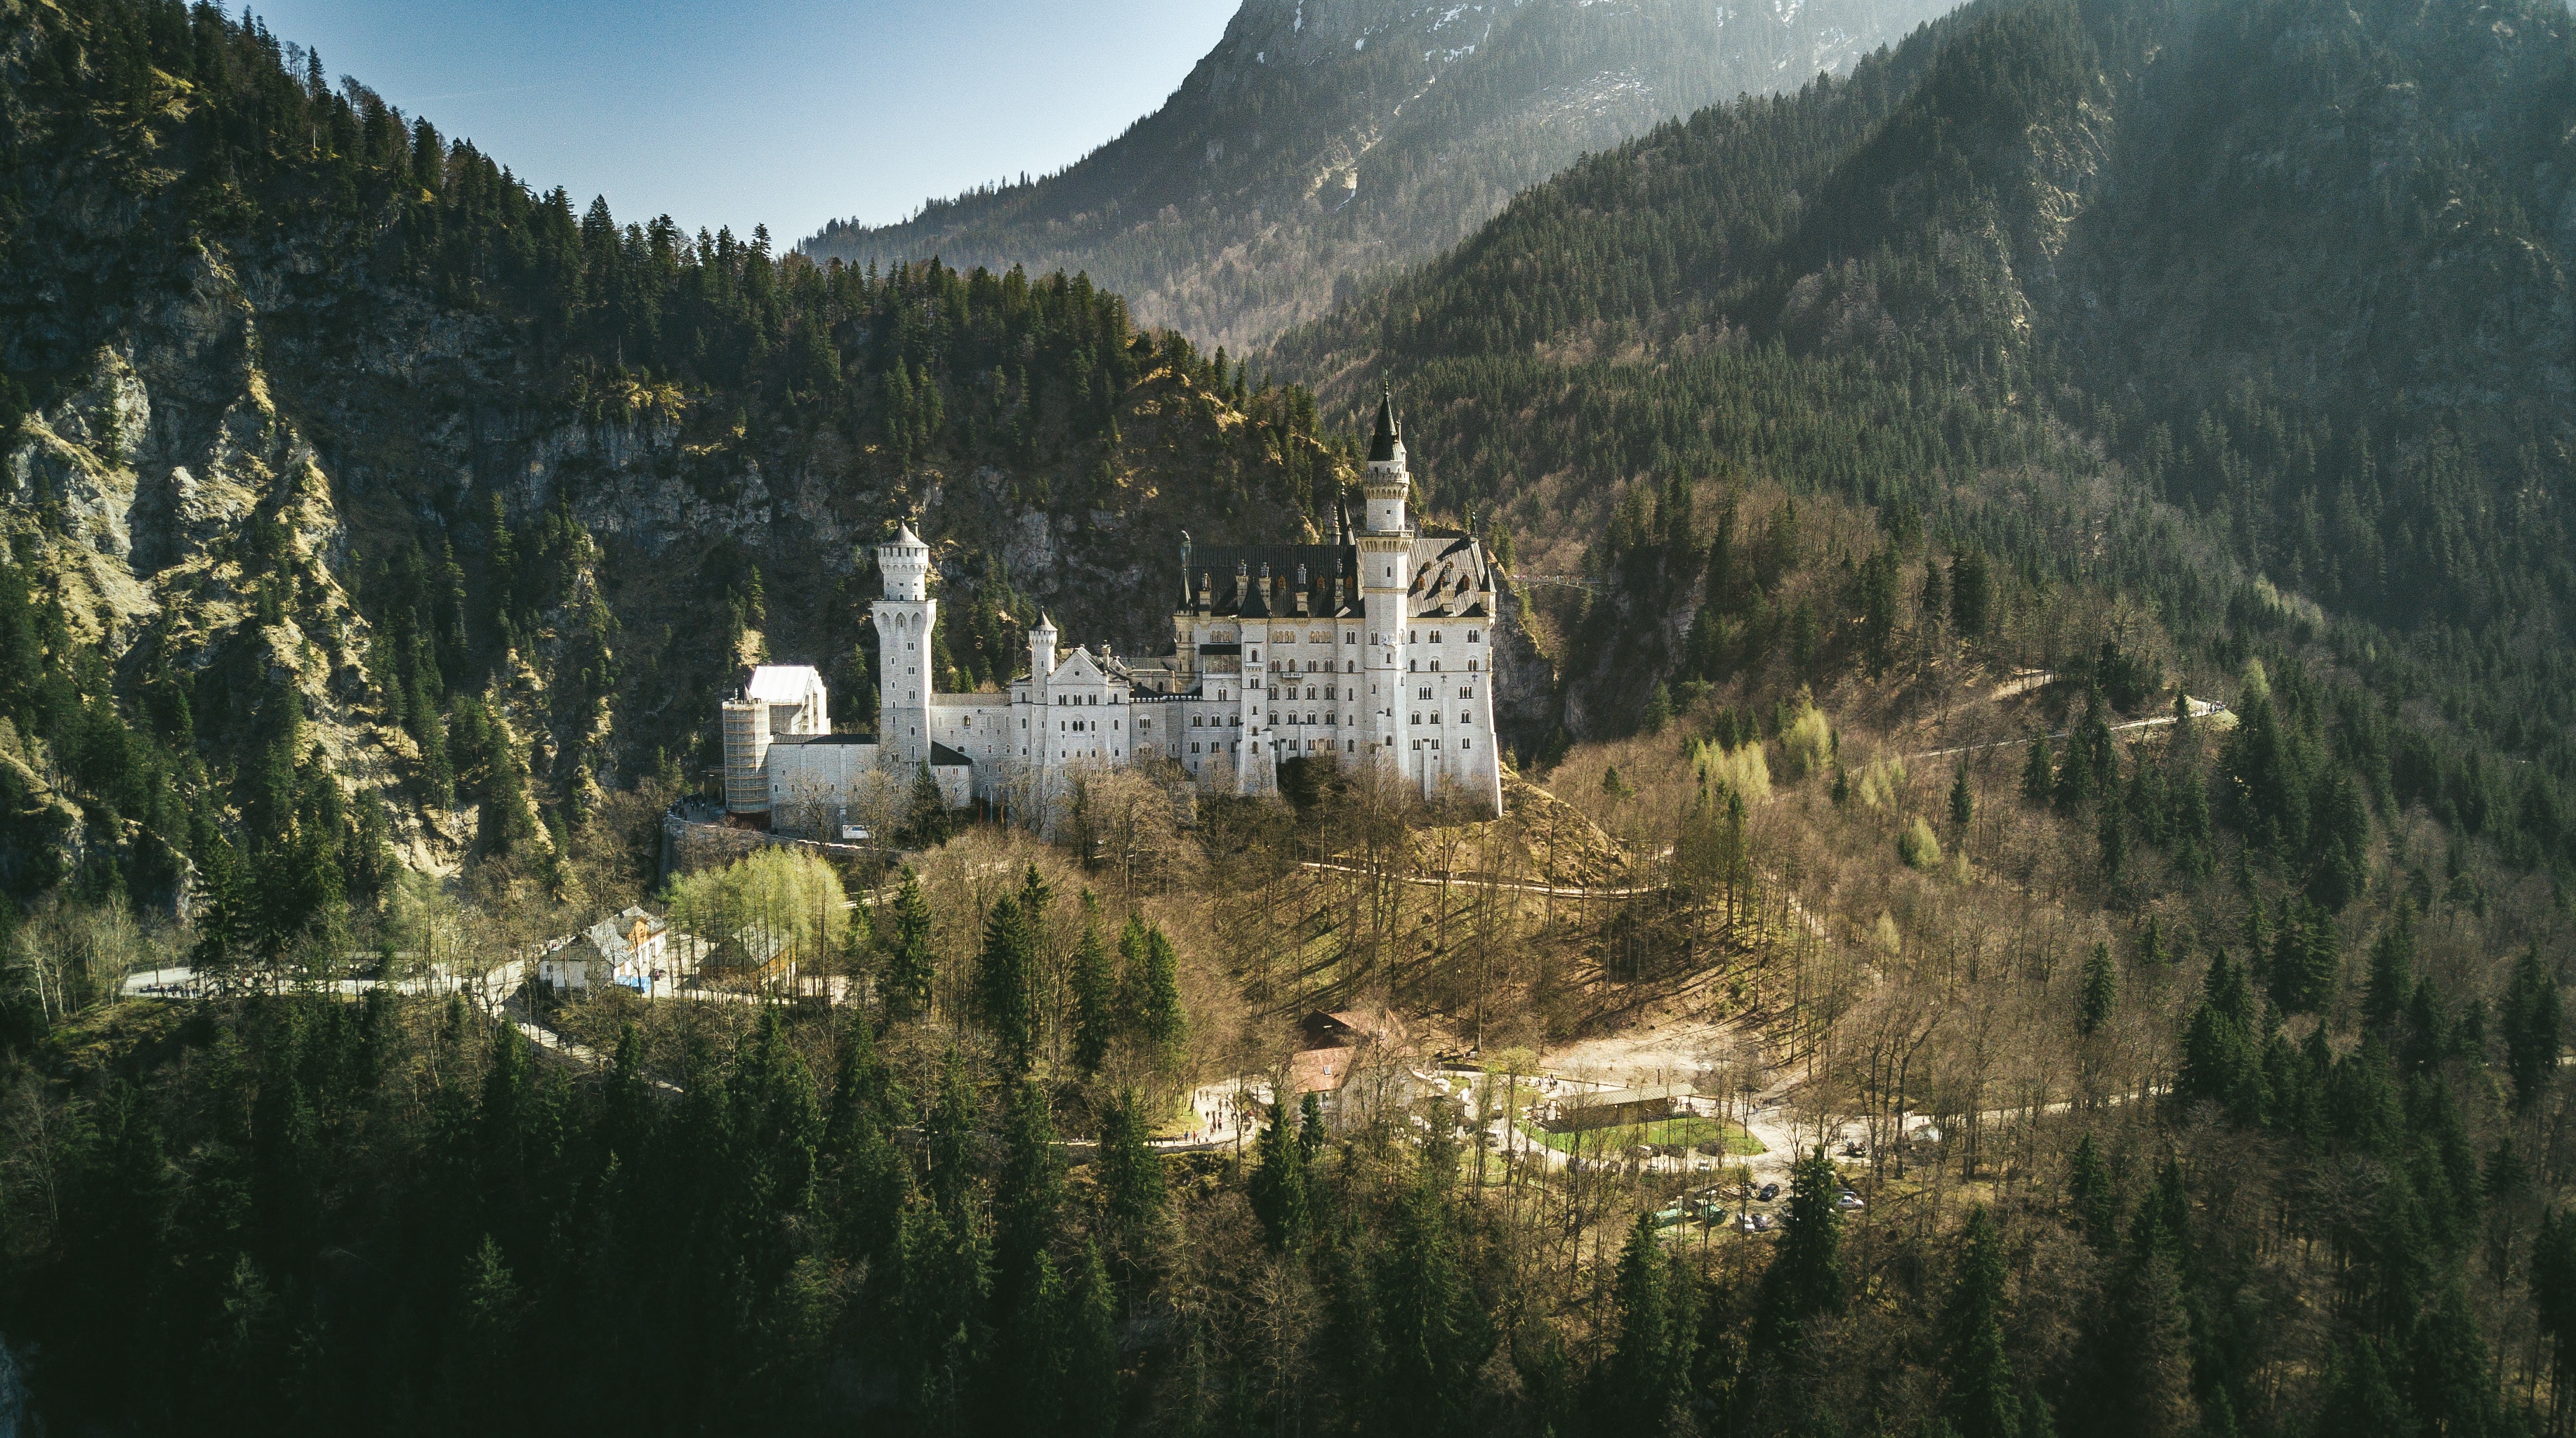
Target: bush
1741	770
1918	846
1807	742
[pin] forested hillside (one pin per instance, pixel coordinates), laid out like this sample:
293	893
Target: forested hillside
1324	143
359	490
2253	314
2058	541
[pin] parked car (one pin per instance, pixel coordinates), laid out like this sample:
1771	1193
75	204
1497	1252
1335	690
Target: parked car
1669	1217
1848	1200
1769	1192
1764	1223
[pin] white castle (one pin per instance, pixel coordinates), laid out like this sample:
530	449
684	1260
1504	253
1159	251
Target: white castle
1373	650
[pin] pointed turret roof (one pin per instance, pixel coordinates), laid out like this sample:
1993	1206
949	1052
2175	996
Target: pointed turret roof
1046	623
1389	432
903	535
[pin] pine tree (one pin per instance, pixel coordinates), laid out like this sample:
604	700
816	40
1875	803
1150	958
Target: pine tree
1980	1398
1086	1352
1028	1193
1006	985
1278	1184
2392	973
2100	991
2091	1199
1095	995
2532	1027
1971	594
1963	800
1646	1386
1805	1279
1434	1334
927	822
910	965
2553	1302
1150	990
1131	1184
2359	1398
2038	772
2143	1347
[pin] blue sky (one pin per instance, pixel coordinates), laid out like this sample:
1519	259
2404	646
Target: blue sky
741	111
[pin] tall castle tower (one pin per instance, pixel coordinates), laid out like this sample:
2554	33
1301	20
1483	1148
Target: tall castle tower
905	618
1386	559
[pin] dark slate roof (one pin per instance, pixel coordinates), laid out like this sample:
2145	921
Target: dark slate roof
822	739
1218	565
943	757
1453	575
1382	443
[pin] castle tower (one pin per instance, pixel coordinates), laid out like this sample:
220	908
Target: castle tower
1386	561
905	619
1041	656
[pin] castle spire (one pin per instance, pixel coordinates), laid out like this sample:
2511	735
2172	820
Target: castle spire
1390	433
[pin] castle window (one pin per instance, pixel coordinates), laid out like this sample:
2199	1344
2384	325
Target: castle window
1471	636
1350	639
1328	691
1350	746
1435	636
1466	693
1194	748
1256	656
1471	666
1238	721
1413	719
1435	666
1413	636
1372	639
1350	666
1466	743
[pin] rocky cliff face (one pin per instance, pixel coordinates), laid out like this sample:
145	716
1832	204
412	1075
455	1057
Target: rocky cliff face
244	426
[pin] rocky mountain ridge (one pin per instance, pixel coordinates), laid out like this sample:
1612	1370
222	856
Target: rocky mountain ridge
1323	142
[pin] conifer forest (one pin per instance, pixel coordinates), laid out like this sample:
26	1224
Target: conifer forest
2036	645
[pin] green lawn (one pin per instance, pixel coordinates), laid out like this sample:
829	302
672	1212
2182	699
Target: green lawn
1692	1131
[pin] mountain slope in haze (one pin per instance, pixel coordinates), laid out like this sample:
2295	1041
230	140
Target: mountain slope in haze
1324	141
2257	313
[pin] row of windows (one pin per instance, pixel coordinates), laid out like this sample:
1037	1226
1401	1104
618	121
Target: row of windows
1437	717
1464	692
